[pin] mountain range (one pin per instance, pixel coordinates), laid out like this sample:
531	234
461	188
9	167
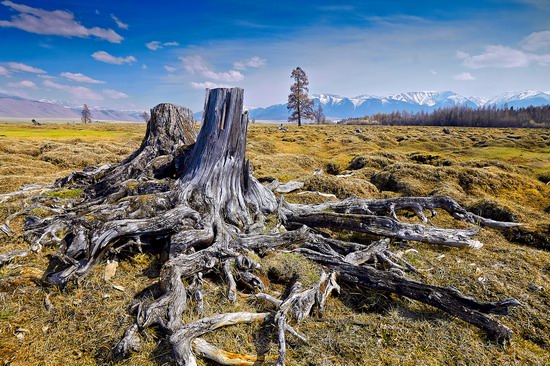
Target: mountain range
334	106
338	107
16	107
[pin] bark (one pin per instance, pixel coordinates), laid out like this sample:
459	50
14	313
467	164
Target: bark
194	198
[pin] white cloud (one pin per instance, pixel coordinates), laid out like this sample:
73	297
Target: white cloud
114	94
46	76
502	57
208	85
433	72
253	62
144	67
170	68
57	22
197	65
15	93
462	55
155	45
119	23
23	84
536	41
110	59
79	92
4	71
17	66
464	76
80	78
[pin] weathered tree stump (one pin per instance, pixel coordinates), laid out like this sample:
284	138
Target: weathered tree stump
195	199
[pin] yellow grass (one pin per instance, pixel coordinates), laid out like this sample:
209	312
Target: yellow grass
483	168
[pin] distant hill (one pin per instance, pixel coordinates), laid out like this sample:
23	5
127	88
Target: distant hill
16	107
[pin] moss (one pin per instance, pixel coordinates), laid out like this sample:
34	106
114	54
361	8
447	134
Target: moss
289	267
66	193
40	212
6	314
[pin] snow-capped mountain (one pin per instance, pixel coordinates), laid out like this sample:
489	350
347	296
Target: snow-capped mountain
336	107
521	99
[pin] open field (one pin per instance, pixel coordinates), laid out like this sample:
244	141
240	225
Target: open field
499	173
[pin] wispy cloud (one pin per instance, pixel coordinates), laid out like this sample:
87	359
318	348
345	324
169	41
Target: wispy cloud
118	22
43	76
464	76
496	56
4	71
536	41
155	45
78	92
23	84
208	85
110	59
17	66
253	62
56	22
197	65
169	68
331	8
114	94
15	93
80	78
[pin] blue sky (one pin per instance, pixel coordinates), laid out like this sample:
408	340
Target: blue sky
135	54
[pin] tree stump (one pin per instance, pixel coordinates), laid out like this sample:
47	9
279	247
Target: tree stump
207	213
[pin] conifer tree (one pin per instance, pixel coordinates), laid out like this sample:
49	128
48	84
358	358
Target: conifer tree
86	114
298	100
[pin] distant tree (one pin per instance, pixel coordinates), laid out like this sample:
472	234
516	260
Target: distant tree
298	100
144	116
318	115
86	114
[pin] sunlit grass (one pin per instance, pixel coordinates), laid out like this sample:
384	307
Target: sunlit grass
486	165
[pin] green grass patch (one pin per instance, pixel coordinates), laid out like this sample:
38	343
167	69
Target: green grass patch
66	193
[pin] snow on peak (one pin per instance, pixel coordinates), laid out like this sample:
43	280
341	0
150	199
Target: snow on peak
518	96
428	98
328	98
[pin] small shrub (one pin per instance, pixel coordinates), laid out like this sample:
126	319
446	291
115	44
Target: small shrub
332	168
493	211
357	163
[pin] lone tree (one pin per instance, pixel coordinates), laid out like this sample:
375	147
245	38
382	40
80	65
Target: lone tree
193	197
298	101
86	114
318	115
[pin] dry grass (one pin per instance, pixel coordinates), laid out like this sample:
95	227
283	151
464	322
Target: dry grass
498	172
